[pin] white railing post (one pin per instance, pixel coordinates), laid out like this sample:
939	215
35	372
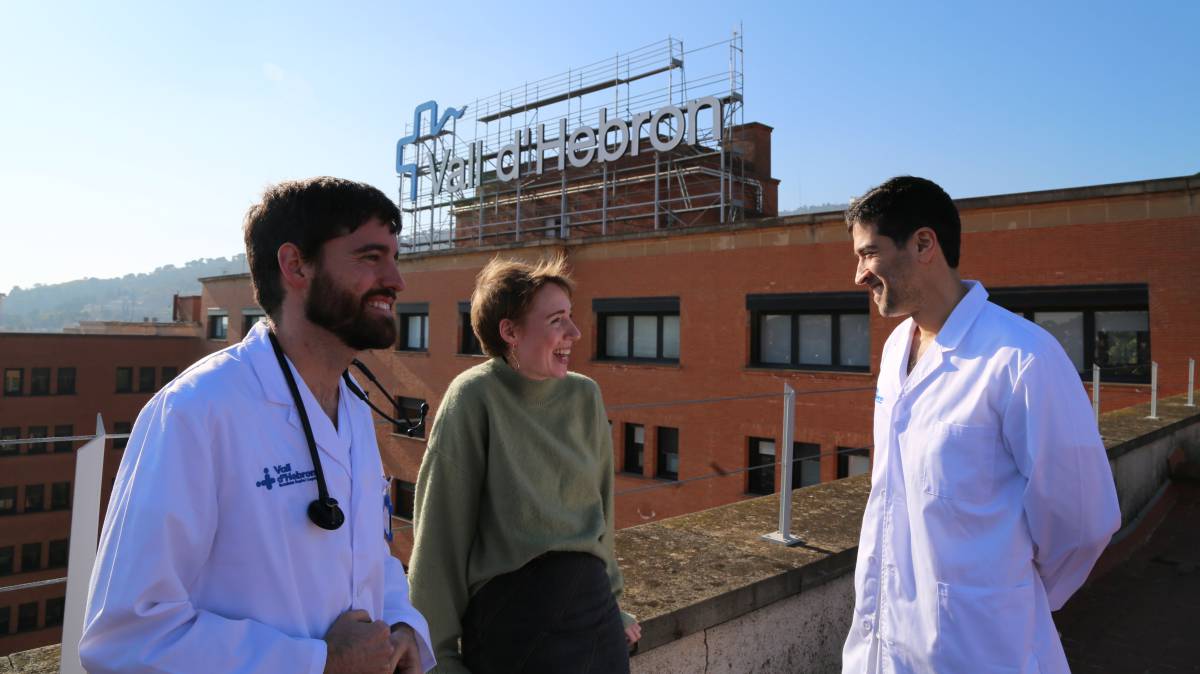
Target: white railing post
1191	382
1153	390
85	524
1096	392
784	535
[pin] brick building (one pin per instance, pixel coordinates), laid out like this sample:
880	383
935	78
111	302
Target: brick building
723	313
54	386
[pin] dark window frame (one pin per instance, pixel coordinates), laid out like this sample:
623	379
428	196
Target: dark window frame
834	304
634	449
60	496
801	452
124	369
1026	301
8	561
35	498
121	428
44	389
660	454
403	499
7	493
631	307
58	554
64	431
403	313
11	433
38	433
25	556
843	459
215	320
65	384
760	474
55	608
249	320
144	384
168	374
27	617
468	343
20	390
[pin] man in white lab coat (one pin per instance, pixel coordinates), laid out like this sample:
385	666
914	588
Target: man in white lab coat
209	561
991	493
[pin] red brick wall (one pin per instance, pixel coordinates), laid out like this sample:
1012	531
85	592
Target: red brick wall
1074	243
95	359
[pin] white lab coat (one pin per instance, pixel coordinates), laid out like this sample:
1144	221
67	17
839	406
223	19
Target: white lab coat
991	499
208	561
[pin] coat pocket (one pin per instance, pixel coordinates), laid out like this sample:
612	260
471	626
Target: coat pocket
960	462
985	629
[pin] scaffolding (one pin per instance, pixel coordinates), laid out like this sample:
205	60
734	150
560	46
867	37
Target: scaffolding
700	181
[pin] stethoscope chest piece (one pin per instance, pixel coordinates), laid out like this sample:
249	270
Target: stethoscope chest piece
326	514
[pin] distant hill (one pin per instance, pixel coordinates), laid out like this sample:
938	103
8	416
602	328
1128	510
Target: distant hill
815	208
133	297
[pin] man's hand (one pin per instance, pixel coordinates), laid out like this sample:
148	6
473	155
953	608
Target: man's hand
633	633
408	656
357	645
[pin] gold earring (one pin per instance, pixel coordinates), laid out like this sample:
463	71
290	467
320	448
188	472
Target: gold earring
512	354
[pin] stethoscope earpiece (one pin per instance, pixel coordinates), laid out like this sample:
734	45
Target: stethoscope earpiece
326	514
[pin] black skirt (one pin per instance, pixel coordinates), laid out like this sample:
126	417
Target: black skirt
555	614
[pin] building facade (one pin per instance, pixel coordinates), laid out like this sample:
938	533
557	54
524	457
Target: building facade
54	386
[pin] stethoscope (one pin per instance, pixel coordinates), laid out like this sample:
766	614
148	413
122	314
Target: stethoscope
325	512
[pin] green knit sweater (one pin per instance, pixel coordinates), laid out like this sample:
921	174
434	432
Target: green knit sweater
514	468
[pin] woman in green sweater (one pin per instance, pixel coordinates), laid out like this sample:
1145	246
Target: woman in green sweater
513	551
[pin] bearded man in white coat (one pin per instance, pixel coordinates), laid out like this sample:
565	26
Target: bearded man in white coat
991	492
210	560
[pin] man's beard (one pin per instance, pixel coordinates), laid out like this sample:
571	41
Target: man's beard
345	315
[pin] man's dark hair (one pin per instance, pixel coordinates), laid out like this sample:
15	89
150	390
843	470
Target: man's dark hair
306	213
904	204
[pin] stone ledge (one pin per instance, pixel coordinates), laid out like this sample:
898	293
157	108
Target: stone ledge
688	573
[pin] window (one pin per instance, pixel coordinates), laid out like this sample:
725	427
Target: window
409	409
816	331
169	372
414	327
121	428
760	479
10	433
124	380
60	496
14	381
37	432
66	381
853	461
6	561
468	343
8	500
63	431
31	557
27	615
35	498
668	453
146	379
249	319
58	553
642	328
635	445
5	618
1106	325
403	497
39	381
807	456
54	611
218	326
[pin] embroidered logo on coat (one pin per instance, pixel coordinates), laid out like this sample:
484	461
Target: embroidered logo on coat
285	476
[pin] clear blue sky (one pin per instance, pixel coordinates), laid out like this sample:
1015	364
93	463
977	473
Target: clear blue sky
136	134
